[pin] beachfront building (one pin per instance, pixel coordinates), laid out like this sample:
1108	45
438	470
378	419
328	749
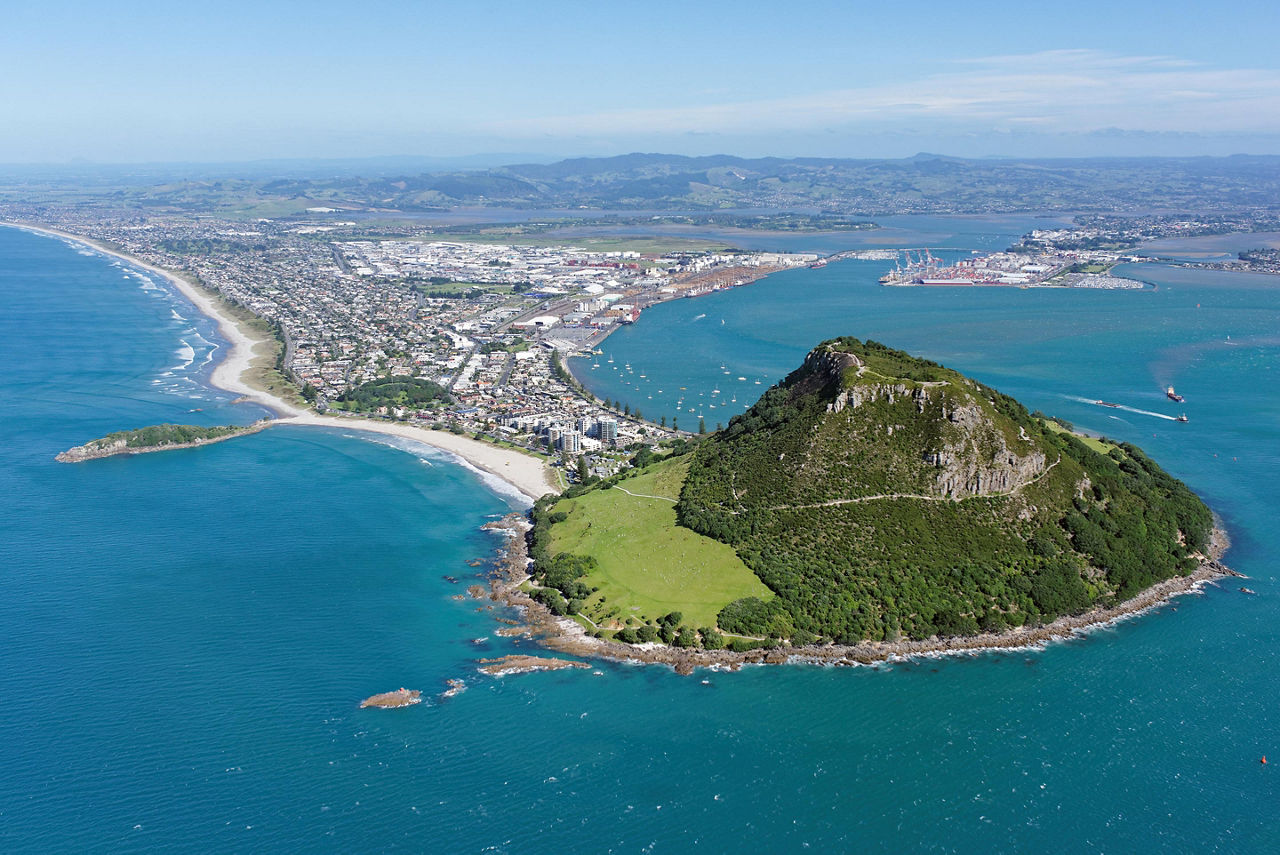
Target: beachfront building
607	431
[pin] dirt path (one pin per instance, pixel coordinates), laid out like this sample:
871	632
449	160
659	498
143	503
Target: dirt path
645	495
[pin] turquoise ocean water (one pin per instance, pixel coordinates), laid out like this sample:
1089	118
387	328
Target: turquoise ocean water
187	635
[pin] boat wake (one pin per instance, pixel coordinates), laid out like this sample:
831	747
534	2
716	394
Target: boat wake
1121	407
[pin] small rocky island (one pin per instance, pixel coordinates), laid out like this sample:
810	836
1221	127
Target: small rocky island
165	437
523	664
401	697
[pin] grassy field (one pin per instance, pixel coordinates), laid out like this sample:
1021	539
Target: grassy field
648	245
1096	444
460	288
649	566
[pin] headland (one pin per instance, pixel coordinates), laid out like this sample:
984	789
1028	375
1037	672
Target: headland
872	505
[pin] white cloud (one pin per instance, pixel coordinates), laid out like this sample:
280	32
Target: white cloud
1065	91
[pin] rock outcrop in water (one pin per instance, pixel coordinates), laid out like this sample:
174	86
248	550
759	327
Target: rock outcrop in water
401	697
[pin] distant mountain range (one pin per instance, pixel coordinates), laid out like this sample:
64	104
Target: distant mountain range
921	184
925	183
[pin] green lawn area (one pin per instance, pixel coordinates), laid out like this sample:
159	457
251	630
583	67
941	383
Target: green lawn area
644	244
649	566
665	480
459	288
1096	444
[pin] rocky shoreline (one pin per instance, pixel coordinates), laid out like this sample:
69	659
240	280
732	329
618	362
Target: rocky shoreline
401	697
520	664
89	451
567	636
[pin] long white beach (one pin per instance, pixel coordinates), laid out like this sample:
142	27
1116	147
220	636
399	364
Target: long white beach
526	473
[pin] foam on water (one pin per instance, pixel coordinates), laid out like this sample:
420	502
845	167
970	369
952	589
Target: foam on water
430	453
187	354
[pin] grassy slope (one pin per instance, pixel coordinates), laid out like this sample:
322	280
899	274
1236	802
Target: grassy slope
1096	444
649	566
877	564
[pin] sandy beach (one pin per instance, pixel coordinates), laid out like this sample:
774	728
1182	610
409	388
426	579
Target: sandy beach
528	474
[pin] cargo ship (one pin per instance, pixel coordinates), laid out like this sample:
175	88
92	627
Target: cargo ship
1173	396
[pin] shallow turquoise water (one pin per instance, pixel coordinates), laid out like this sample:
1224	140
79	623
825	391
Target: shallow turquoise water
188	634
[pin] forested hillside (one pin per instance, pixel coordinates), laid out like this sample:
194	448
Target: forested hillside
881	496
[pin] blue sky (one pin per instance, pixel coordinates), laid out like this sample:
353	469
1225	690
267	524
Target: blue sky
133	82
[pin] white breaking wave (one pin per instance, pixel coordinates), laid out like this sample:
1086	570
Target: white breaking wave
430	455
187	354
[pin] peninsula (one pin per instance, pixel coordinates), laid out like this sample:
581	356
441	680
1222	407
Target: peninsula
872	504
166	437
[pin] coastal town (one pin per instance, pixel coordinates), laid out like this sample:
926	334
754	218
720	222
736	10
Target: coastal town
494	320
491	324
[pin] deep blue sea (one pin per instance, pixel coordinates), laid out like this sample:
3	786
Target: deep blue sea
187	635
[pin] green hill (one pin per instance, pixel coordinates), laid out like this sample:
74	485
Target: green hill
883	496
879	496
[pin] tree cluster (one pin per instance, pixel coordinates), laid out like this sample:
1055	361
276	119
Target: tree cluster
408	392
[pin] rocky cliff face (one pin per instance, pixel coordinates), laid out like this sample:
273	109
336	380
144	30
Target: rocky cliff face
977	461
862	394
823	370
970	453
